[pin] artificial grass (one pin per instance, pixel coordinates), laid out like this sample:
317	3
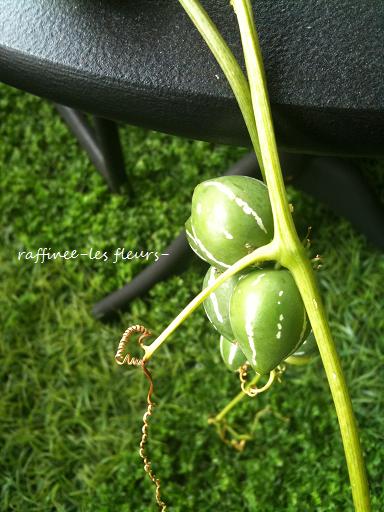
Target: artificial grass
71	419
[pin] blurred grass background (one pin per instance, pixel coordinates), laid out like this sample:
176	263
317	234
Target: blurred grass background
71	419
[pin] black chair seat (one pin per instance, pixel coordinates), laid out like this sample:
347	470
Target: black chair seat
142	62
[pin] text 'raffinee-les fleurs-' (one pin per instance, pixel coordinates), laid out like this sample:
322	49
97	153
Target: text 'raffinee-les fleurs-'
121	254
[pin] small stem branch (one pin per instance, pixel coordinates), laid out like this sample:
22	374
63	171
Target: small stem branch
265	253
235	400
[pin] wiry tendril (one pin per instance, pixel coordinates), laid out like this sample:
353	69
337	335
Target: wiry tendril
254	391
122	359
127	359
229	435
144	438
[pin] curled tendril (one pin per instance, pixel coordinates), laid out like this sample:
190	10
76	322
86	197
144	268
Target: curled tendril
122	359
127	359
254	390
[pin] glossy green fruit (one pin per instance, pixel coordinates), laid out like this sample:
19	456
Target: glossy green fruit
217	304
231	216
305	353
231	354
268	318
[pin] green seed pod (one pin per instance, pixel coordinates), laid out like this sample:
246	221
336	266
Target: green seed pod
231	354
217	304
268	318
305	353
231	216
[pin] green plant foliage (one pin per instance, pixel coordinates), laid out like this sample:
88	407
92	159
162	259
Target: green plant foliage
71	419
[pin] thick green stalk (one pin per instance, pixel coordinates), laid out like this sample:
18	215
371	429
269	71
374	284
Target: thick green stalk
292	256
303	274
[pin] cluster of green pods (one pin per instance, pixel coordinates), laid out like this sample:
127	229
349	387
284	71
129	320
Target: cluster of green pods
259	312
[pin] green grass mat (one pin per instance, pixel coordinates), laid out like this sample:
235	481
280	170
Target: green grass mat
71	419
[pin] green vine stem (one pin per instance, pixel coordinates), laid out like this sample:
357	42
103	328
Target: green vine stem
292	256
285	247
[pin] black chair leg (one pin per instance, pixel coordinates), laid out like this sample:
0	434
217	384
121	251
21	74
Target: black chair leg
102	144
